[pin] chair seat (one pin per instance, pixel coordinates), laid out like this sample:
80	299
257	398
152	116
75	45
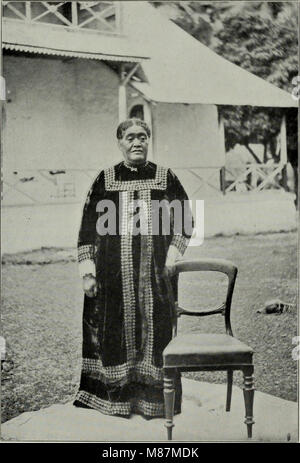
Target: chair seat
206	349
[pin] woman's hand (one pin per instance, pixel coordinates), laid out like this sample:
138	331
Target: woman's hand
89	285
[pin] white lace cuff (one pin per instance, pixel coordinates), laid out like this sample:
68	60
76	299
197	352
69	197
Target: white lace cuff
86	266
180	242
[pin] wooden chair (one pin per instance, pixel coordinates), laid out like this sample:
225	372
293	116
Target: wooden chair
207	352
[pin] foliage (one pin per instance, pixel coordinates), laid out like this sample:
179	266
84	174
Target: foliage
249	124
263	46
199	19
268	48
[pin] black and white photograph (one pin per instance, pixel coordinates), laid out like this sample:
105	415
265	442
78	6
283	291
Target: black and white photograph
149	224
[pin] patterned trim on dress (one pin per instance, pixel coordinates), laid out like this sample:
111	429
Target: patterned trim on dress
104	406
181	243
147	408
127	203
157	183
120	408
85	252
145	196
119	372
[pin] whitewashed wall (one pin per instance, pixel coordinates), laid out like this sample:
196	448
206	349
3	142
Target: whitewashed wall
187	135
31	227
63	113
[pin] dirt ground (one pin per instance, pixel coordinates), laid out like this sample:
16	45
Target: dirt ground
42	311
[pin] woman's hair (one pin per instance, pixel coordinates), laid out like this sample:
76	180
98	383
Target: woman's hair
123	126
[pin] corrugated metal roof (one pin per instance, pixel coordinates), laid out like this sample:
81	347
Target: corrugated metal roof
74	54
58	40
180	68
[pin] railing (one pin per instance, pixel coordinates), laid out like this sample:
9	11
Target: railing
103	17
255	177
43	186
31	187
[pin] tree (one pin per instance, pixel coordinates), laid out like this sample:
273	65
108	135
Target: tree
199	19
265	45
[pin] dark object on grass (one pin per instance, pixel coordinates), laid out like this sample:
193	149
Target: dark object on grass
26	179
56	172
275	306
6	365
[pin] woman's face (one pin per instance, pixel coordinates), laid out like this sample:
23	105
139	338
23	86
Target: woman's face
134	145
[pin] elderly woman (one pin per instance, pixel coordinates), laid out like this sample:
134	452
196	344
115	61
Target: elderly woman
127	318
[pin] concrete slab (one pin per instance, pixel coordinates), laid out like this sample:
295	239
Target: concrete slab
203	418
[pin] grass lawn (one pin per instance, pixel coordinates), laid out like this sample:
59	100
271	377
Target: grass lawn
42	310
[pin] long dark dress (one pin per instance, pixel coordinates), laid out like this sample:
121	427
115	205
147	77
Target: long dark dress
128	324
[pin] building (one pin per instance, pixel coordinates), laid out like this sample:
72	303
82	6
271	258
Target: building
73	69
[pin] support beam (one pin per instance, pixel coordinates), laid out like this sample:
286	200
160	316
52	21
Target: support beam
74	14
124	80
222	149
122	103
155	131
223	179
130	74
122	95
28	11
222	135
283	144
118	7
148	120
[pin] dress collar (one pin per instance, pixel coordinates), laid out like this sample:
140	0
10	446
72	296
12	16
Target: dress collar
134	169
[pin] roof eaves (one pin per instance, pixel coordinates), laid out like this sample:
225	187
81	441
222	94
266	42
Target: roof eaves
71	53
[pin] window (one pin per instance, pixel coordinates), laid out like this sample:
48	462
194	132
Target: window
137	111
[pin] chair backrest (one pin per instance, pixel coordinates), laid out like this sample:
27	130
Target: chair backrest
214	265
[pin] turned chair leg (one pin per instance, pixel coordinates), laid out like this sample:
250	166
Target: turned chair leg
229	389
249	398
169	396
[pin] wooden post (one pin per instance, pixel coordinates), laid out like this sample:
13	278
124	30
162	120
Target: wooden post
223	180
154	131
283	152
124	79
148	119
222	148
118	13
284	178
28	11
283	145
122	95
74	14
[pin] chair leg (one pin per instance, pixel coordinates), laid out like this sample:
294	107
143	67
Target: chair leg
249	398
169	396
229	389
